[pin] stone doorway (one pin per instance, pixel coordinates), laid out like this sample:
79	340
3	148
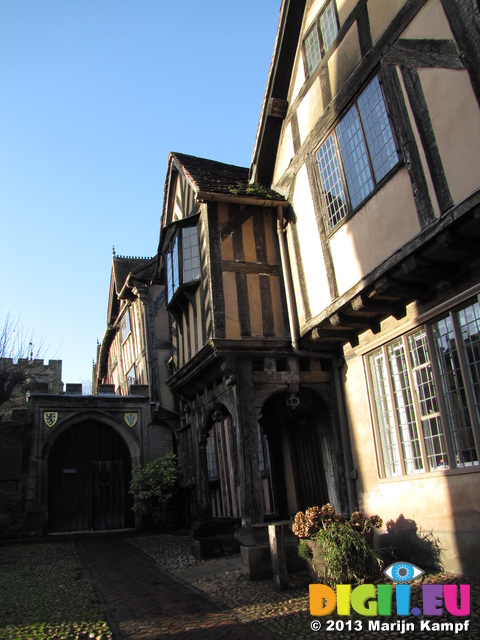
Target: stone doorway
89	472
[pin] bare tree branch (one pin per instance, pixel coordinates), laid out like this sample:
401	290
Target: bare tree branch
18	364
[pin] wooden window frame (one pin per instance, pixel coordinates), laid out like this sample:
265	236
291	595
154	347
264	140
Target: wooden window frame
316	26
331	222
174	257
125	326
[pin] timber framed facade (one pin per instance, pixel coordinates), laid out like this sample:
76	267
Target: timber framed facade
377	152
258	438
309	330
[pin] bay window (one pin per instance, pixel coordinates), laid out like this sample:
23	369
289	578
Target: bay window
182	260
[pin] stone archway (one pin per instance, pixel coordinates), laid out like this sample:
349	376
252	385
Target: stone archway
89	471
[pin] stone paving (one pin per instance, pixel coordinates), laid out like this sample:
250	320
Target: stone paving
152	587
144	602
286	615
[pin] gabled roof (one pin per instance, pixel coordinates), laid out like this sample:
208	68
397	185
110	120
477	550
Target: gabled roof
212	180
126	269
126	272
212	177
123	266
274	106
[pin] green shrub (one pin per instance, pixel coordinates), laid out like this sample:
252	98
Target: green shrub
346	554
339	549
155	484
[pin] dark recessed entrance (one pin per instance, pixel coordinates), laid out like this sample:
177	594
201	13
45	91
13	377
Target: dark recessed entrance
89	471
305	456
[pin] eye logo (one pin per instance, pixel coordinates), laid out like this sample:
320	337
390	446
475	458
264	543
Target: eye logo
403	572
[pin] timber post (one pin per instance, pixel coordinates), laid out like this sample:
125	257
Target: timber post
276	536
251	489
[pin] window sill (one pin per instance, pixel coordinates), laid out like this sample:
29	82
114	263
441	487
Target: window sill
431	475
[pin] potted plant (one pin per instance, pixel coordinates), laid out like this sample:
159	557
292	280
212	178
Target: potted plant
337	549
153	488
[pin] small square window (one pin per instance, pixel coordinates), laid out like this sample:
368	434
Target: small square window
125	327
329	25
312	50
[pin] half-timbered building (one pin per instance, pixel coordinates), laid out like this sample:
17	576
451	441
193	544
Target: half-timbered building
260	436
370	127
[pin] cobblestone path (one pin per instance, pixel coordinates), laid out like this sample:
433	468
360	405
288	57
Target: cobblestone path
144	603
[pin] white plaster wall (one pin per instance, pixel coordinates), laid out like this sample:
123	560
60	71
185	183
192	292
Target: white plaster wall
309	110
430	22
456	122
311	248
381	13
299	78
344	60
344	8
386	222
285	153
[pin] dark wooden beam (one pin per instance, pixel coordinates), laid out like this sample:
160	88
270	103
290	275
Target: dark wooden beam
249	267
452	242
424	270
334	338
424	124
408	144
277	108
463	16
344	320
402	292
424	53
365	304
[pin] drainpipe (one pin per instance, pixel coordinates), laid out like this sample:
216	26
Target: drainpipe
287	280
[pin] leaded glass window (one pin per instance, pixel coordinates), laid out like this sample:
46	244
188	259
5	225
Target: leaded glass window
425	390
182	260
357	155
321	37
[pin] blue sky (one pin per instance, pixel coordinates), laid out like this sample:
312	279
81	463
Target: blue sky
94	94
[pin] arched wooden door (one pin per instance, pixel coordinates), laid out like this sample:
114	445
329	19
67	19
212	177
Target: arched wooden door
304	454
89	472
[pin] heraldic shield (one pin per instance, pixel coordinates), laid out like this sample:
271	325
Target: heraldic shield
131	418
50	418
